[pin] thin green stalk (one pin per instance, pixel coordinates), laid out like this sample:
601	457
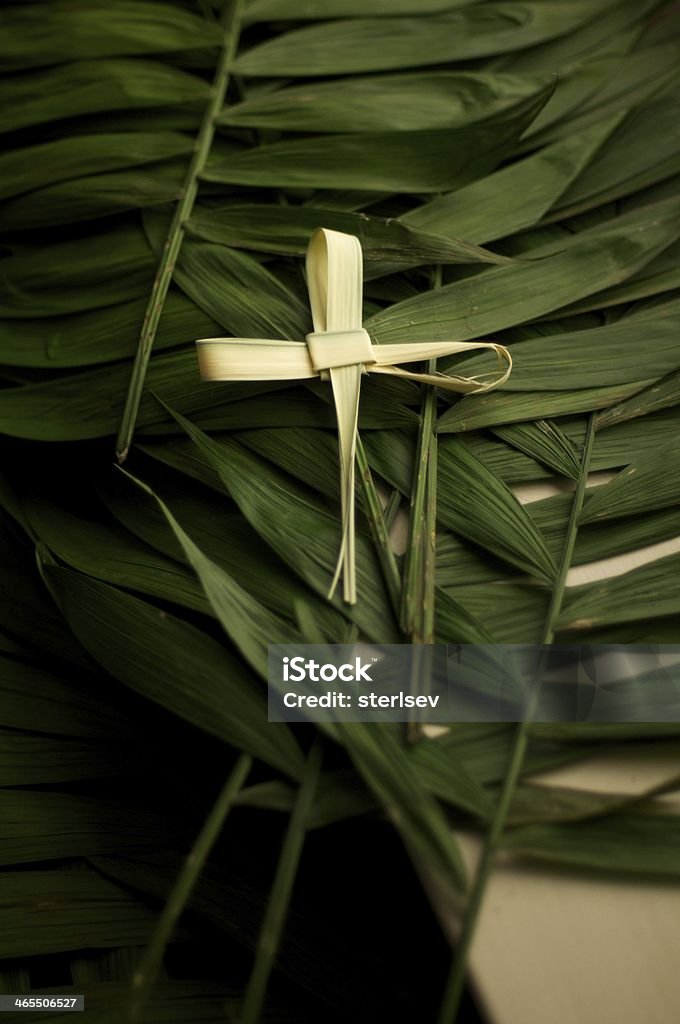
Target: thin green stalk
173	243
417	611
379	529
417	607
429	538
279	899
456	981
147	971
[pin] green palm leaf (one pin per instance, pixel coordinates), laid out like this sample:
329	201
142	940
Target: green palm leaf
164	167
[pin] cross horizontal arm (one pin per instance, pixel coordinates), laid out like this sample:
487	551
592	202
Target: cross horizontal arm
239	359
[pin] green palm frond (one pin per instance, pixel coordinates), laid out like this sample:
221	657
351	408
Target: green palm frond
512	170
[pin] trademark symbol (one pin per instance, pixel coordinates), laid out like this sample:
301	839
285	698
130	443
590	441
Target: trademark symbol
374	659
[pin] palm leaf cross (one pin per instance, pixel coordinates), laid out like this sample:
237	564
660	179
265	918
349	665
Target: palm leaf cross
339	350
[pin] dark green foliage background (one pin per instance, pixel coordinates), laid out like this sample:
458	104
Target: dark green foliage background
513	172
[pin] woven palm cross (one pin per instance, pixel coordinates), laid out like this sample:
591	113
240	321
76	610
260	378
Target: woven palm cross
339	350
